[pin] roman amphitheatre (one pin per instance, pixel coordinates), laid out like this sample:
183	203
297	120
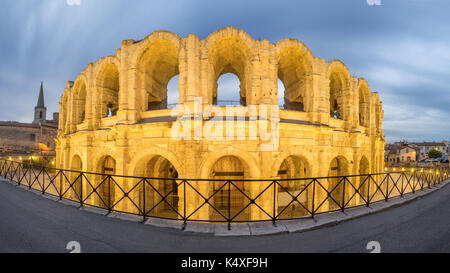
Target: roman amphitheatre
115	120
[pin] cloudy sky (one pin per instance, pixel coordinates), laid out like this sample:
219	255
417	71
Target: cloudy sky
402	47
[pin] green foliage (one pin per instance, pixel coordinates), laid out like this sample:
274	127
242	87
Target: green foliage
433	153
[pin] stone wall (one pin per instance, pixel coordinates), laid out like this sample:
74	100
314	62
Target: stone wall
19	137
26	137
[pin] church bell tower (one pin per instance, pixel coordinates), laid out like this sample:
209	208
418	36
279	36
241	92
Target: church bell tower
40	111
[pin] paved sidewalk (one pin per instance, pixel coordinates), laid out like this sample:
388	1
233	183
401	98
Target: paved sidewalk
32	223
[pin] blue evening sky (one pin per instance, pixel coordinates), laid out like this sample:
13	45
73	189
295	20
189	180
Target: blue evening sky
402	47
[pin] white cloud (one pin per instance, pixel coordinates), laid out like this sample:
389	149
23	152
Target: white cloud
73	2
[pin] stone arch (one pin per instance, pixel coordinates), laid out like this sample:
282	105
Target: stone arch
230	50
364	103
161	179
156	63
108	88
295	64
147	154
247	159
296	166
339	80
229	197
339	166
364	180
76	165
292	153
79	101
292	168
107	166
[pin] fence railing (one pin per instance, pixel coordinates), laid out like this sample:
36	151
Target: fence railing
221	200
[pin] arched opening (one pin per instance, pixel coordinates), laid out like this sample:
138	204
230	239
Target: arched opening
156	66
79	103
173	92
106	189
293	68
293	167
281	90
364	109
338	168
230	54
364	180
229	168
159	197
228	90
337	86
108	85
75	178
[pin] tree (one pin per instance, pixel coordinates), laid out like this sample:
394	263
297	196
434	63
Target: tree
433	153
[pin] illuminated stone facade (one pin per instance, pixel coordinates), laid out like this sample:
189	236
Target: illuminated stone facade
115	112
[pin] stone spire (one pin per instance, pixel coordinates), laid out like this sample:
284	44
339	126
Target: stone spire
41	97
40	111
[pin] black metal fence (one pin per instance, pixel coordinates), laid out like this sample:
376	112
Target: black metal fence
221	200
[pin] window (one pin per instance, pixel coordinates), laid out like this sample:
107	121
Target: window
32	137
228	90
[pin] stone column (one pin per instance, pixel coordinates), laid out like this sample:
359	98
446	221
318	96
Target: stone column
317	100
130	99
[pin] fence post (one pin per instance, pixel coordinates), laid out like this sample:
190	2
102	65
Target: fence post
31	169
229	205
20	180
61	173
184	204
144	210
401	192
343	193
81	189
313	212
274	202
387	189
43	180
109	193
368	191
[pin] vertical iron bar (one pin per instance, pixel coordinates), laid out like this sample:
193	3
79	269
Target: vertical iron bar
343	194
109	193
20	180
43	180
402	190
144	209
184	203
368	190
313	198
387	190
274	202
29	181
229	205
81	189
428	181
60	184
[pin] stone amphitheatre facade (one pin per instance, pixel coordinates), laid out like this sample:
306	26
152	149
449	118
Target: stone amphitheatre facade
114	117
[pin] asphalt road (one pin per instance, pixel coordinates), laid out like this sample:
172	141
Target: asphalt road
31	223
